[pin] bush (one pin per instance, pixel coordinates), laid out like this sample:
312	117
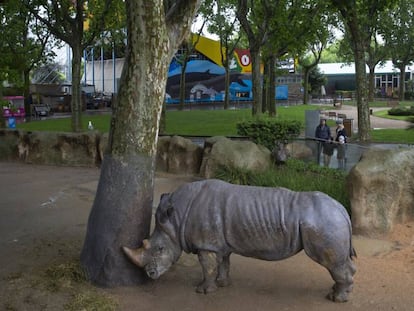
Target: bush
267	132
402	111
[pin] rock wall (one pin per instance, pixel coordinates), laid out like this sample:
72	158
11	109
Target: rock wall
50	148
381	189
175	154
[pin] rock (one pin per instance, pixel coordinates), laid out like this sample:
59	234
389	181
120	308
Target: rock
58	148
162	153
221	151
299	151
381	190
9	145
184	156
280	153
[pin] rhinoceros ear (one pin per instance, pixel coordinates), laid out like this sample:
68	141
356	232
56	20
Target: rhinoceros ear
169	211
164	196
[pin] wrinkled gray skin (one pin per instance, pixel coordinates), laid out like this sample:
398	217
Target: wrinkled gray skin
213	219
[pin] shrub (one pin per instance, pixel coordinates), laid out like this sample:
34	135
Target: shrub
267	132
401	111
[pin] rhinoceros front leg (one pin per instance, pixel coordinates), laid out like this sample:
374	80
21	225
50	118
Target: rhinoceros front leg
208	263
223	278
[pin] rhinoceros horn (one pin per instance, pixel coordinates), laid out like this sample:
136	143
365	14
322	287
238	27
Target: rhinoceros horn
137	255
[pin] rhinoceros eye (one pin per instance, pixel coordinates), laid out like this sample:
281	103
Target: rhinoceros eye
159	250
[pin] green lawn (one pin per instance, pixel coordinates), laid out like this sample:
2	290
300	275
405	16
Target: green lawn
211	123
188	122
384	114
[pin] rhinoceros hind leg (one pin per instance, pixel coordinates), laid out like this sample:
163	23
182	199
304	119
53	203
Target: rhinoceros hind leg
223	278
343	277
209	266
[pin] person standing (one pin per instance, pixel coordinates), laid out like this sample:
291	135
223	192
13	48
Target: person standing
341	140
328	149
322	135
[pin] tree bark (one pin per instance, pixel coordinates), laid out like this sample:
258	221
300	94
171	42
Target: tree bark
272	86
371	83
226	86
401	90
76	102
182	82
121	212
364	122
256	82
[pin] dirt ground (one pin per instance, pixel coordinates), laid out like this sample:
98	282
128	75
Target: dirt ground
43	215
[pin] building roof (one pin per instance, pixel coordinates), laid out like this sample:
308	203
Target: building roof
349	68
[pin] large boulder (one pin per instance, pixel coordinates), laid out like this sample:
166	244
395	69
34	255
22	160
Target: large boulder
381	188
9	144
162	153
298	150
184	156
221	151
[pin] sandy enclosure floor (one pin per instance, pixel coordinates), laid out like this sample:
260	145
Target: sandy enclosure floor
43	215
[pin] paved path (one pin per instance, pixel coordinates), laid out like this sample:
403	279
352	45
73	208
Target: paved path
376	122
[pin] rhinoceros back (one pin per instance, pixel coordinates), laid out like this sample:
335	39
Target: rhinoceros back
260	222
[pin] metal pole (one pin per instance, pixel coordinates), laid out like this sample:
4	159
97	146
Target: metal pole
84	69
113	69
93	68
103	70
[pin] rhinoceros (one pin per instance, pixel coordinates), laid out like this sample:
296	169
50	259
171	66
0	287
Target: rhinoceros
214	219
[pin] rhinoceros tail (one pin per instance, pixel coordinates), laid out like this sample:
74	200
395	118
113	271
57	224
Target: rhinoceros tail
353	252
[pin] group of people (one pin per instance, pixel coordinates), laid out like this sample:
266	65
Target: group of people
327	143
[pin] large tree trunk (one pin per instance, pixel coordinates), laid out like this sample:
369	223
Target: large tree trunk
371	84
306	73
272	86
182	83
121	212
76	102
401	90
256	82
364	124
26	92
226	85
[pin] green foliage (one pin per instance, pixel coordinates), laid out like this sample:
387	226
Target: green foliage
267	132
295	175
316	80
4	103
402	111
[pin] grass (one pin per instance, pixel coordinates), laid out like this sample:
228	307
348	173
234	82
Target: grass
188	122
70	277
100	123
218	122
384	114
399	136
